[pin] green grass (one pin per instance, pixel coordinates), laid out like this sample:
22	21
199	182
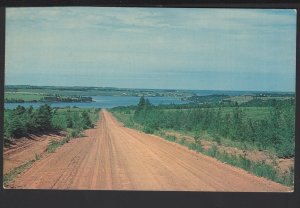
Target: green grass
254	113
26	96
170	138
127	120
240	99
257	168
56	144
9	177
260	168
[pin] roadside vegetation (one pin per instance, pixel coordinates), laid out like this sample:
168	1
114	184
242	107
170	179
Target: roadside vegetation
9	177
255	125
22	121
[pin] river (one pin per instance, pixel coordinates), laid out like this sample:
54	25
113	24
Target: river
101	102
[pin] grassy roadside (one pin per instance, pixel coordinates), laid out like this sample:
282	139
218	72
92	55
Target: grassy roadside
258	168
9	177
53	145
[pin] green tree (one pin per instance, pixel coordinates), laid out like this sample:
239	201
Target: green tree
141	104
43	116
86	119
30	120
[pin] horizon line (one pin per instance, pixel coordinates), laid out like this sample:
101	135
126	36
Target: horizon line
149	88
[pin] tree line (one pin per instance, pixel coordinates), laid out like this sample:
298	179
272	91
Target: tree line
22	121
276	131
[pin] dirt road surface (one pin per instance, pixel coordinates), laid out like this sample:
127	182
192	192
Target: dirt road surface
112	157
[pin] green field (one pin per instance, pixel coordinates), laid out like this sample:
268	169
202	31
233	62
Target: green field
94	91
255	113
26	96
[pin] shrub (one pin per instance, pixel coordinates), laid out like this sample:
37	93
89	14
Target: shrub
148	130
171	138
74	133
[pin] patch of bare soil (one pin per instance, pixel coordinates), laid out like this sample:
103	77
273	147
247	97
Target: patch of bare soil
24	149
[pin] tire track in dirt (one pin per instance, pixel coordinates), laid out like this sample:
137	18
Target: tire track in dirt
112	157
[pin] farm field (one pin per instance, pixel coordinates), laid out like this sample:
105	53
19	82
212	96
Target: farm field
25	96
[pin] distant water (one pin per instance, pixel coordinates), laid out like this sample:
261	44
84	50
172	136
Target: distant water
114	101
102	102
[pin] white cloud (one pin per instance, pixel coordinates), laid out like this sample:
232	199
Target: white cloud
149	39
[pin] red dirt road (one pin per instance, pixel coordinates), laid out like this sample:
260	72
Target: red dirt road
112	157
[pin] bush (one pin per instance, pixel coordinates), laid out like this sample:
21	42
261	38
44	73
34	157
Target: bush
148	130
74	133
171	138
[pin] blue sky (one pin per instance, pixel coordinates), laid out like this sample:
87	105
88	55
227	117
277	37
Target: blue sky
219	49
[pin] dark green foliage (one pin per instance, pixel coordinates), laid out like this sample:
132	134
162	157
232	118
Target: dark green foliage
43	118
141	105
68	99
86	119
16	127
74	133
171	138
21	121
74	119
277	126
275	130
148	130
